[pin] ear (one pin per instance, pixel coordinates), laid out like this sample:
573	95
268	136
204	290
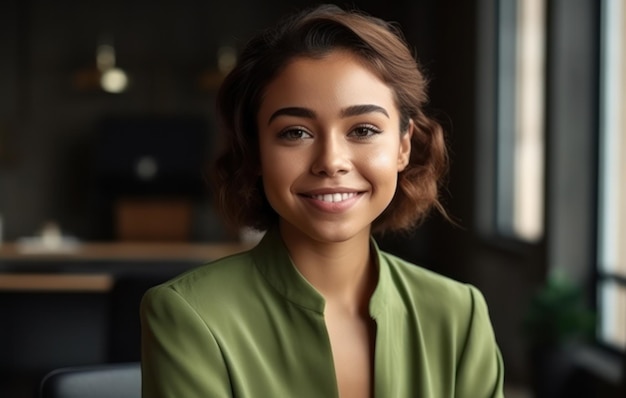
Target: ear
404	152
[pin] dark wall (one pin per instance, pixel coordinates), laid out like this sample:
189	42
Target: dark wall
48	128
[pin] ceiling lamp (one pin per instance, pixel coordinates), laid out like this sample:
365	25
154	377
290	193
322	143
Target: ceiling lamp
106	76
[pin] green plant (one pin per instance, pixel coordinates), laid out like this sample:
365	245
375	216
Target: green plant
557	313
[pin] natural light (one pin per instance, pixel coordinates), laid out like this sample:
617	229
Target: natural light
529	121
520	139
612	201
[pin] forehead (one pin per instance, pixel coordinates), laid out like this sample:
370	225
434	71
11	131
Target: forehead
337	79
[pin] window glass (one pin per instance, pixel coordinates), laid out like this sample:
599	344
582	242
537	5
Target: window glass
612	175
520	125
613	322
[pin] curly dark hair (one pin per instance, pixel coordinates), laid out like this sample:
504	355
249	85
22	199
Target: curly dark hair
314	33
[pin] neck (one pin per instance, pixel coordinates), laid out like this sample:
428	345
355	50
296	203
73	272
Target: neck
343	272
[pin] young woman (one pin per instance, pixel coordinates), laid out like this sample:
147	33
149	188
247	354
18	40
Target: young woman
327	142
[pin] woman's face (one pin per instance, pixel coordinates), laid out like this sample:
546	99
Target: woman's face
330	147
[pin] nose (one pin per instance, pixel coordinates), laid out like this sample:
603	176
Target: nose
332	157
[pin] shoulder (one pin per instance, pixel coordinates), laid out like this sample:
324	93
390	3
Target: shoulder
209	283
440	299
426	283
451	316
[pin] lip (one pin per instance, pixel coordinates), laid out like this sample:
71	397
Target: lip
330	190
332	200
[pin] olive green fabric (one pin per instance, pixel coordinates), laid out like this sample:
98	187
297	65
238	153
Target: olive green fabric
250	325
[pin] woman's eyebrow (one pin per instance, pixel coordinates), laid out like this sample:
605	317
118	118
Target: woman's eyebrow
293	111
356	110
353	110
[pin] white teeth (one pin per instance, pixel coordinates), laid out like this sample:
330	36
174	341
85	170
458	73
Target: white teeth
334	197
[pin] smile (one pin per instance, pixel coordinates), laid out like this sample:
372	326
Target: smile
334	197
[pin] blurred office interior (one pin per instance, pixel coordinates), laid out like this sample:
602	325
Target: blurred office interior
107	126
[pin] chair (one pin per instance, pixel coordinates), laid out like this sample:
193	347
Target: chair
121	380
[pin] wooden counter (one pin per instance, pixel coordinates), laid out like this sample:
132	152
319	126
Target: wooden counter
124	251
33	270
56	282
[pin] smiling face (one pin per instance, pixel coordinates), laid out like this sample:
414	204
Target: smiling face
330	147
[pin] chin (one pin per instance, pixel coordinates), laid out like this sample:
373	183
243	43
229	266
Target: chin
335	234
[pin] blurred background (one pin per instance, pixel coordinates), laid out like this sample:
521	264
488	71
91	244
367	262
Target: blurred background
107	124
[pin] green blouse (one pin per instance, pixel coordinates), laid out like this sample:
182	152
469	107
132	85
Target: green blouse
251	326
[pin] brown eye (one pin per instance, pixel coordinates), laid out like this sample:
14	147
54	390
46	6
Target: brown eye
364	132
294	134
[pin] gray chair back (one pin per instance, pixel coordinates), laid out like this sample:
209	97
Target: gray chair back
122	380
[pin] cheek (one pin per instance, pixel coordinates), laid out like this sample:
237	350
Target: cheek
383	161
271	184
269	172
381	169
278	172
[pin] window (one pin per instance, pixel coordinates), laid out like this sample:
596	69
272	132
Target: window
612	178
520	119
